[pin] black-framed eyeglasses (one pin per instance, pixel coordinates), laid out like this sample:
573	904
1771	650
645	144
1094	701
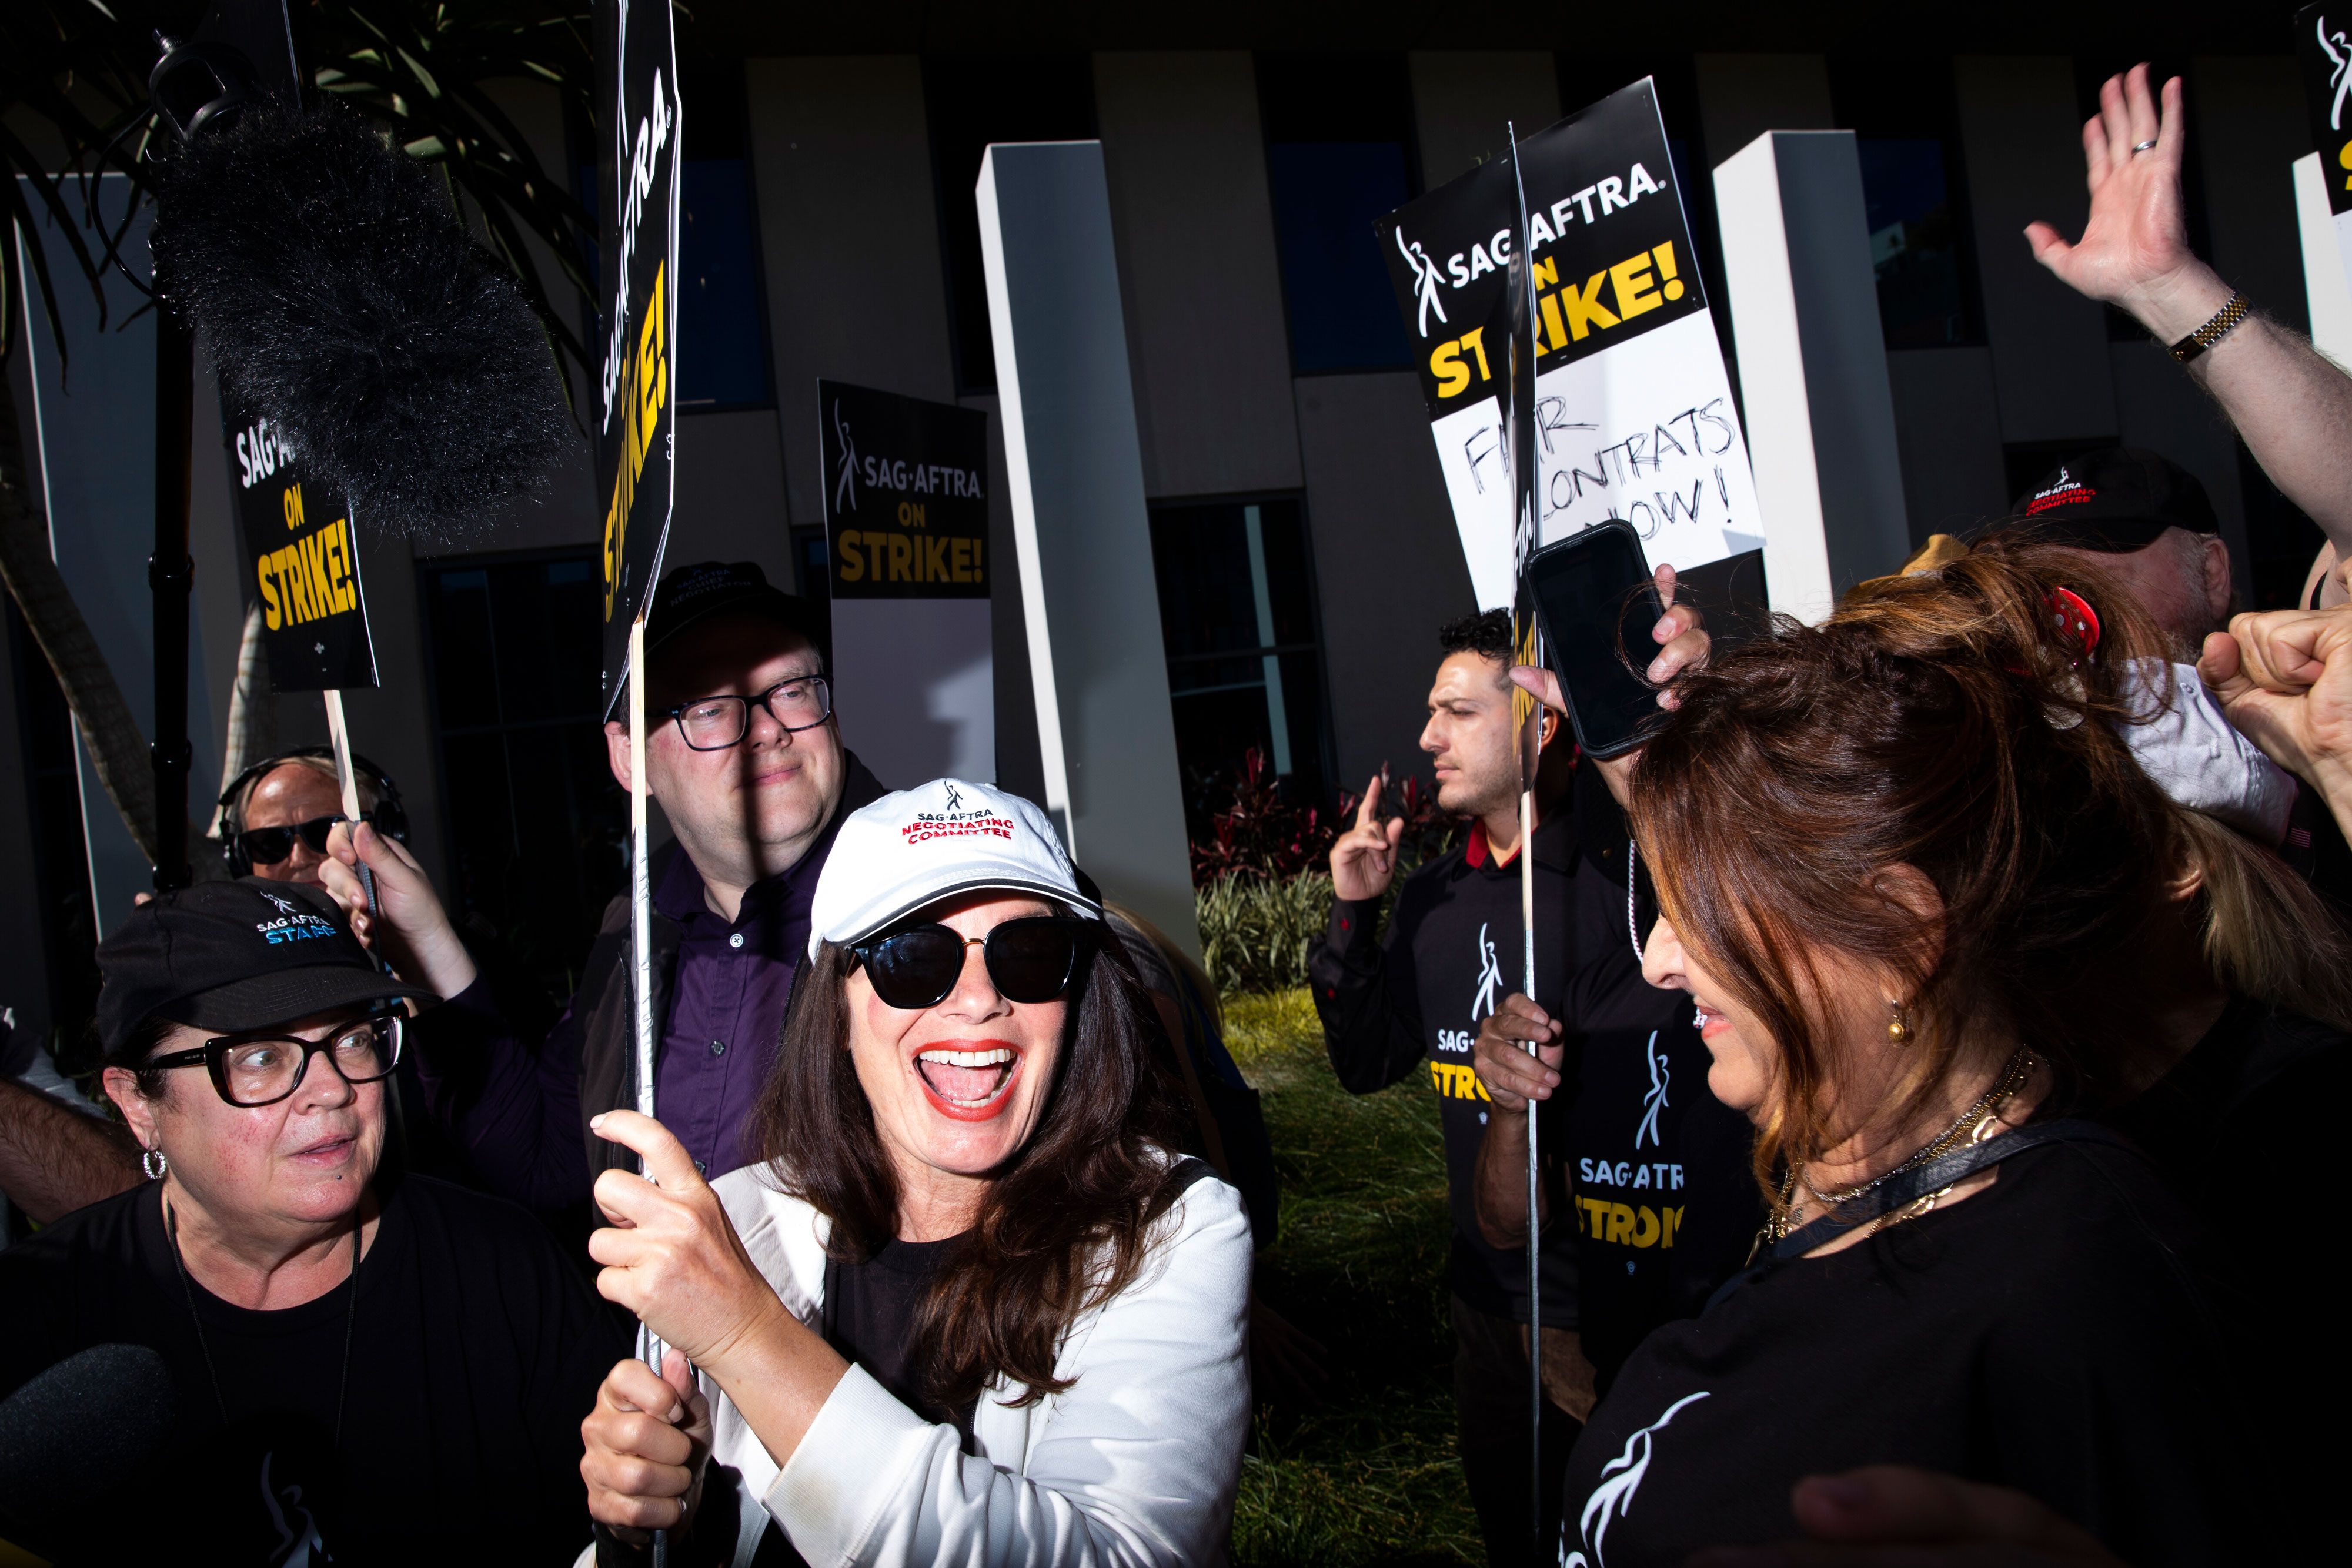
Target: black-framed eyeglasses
714	724
268	846
1029	960
251	1070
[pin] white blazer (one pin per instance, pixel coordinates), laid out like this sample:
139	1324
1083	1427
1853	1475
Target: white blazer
1136	1463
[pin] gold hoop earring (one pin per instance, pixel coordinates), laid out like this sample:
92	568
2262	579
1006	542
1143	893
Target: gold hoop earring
1899	1031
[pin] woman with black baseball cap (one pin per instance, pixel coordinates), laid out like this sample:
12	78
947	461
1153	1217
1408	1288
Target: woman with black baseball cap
968	1307
361	1366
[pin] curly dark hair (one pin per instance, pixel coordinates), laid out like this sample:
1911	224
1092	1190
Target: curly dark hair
1486	634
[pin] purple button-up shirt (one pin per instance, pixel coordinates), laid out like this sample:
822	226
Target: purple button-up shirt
726	1007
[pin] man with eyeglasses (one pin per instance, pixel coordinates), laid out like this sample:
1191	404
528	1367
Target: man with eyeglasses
744	757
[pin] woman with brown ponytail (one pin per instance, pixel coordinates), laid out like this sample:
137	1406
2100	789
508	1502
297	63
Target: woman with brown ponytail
1931	913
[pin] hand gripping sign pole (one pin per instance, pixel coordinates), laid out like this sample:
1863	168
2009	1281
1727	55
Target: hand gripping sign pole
306	582
1519	400
638	165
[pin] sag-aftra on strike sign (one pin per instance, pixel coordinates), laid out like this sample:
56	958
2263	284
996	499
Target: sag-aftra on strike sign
1633	417
303	546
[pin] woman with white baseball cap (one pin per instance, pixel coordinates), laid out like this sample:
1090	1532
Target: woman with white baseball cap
968	1307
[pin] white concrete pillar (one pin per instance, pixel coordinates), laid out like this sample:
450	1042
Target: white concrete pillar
1075	471
1812	366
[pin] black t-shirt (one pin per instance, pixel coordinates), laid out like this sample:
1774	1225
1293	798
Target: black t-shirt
1666	1204
869	1317
1453	952
476	1352
2046	1333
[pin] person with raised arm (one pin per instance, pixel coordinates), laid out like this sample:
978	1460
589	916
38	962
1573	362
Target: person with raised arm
2290	403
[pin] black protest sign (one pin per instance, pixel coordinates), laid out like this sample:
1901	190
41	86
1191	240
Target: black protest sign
637	171
1632	406
2322	47
303	551
906	506
1605	229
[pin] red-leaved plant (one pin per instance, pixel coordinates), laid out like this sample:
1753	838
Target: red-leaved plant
1261	833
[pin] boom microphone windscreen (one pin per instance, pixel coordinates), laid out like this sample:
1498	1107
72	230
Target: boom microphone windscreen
69	1437
339	298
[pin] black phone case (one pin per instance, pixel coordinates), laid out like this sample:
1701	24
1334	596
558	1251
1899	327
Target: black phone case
1649	589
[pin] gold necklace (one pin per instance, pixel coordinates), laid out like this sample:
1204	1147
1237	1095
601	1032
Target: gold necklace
1967	1127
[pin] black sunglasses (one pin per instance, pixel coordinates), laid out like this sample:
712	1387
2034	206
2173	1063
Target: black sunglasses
1029	960
268	846
249	1069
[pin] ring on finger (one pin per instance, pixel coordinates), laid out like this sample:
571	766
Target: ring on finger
2147	146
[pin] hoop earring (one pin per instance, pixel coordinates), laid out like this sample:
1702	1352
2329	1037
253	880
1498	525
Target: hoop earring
152	1164
1899	1031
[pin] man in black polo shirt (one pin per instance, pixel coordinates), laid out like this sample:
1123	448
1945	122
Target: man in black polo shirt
1452	953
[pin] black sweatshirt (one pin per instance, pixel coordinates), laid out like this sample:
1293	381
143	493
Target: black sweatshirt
1659	1186
1452	953
475	1351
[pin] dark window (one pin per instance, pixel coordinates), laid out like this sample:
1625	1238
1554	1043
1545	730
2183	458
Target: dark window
972	101
60	847
1338	156
1244	659
2092	71
1906	121
722	329
536	825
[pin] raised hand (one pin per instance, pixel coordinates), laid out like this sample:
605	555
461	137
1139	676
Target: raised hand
1363	859
414	928
1684	644
2134	253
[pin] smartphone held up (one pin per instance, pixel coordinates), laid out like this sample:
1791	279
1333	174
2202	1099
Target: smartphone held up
1598	607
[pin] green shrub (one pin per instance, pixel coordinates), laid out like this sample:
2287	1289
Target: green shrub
1255	931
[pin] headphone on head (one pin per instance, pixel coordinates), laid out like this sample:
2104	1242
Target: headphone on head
388	816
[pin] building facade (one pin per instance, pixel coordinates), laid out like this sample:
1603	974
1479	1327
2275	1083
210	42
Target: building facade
1301	538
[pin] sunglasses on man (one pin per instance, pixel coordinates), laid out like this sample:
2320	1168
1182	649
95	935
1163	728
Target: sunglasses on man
268	846
1029	960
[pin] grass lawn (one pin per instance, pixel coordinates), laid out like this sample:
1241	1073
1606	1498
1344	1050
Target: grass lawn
1369	1476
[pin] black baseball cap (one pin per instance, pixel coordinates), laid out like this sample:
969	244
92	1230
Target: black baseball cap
2116	499
235	955
694	593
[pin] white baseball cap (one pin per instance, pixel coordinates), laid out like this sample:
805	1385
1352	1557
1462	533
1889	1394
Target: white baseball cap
934	842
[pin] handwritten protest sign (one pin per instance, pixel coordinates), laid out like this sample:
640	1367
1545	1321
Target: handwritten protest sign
1633	417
